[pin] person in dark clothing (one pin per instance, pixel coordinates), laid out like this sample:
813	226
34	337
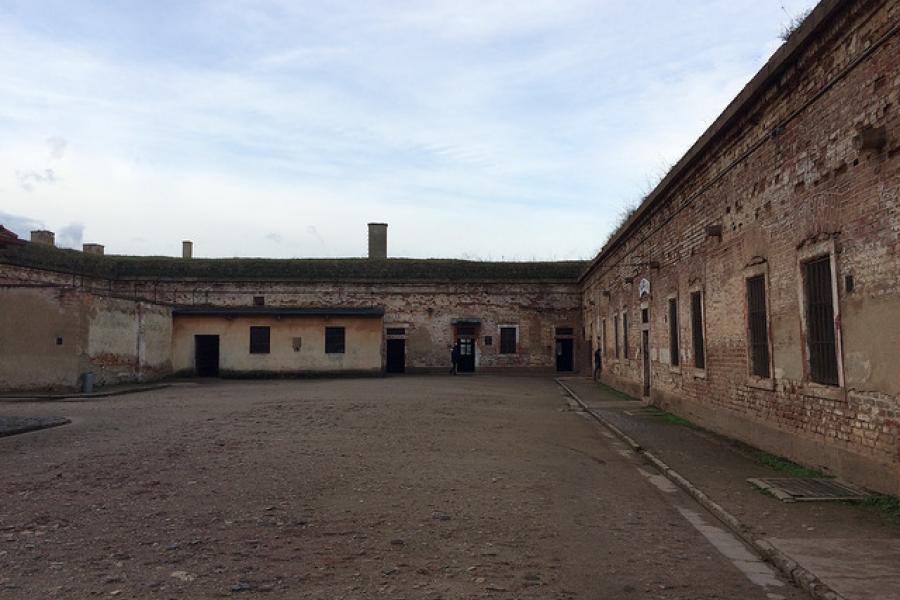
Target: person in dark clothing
454	359
598	363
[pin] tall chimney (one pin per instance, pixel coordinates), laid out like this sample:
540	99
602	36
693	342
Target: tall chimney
187	249
92	249
42	236
377	240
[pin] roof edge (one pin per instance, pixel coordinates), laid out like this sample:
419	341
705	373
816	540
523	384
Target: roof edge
783	57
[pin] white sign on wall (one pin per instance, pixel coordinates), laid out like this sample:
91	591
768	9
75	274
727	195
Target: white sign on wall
643	288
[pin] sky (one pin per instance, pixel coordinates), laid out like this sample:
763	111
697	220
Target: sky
478	129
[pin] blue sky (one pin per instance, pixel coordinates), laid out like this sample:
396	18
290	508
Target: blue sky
477	129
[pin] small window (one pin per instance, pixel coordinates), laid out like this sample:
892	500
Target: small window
603	334
697	329
465	330
645	315
259	300
616	333
673	332
566	331
259	340
507	340
396	331
758	326
625	333
820	334
488	340
334	340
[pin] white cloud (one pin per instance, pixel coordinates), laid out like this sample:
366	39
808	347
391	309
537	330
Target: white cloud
487	128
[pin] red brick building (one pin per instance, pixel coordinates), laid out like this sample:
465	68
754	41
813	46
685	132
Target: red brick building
755	290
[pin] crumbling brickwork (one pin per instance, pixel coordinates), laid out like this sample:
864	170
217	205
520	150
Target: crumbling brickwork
803	164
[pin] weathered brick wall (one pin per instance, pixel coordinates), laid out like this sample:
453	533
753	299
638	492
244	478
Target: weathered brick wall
789	177
426	310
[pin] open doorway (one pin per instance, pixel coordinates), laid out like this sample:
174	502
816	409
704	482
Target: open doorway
206	355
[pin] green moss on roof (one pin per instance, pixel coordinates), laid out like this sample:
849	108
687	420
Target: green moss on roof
300	269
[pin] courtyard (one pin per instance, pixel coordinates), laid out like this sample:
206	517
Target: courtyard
414	487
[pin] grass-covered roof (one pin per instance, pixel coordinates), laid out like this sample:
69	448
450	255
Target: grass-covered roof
293	269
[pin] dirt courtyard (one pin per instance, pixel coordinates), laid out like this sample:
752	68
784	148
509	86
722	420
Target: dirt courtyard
402	488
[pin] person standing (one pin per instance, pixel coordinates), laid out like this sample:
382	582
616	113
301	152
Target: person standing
598	363
454	359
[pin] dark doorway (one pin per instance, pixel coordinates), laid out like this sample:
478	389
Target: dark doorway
396	356
565	355
206	355
645	355
466	355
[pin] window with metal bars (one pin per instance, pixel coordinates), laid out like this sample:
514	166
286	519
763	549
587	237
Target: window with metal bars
697	329
259	340
625	333
507	340
616	333
820	336
673	332
334	340
758	326
603	335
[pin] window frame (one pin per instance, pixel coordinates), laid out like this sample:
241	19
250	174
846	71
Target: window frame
501	347
751	343
258	346
329	342
616	332
625	346
805	255
698	292
674	332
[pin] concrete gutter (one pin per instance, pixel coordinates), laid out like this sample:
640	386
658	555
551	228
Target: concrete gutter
802	577
24	397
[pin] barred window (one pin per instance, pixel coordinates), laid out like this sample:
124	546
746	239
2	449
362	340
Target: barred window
673	332
259	340
616	333
507	340
334	340
697	329
758	326
820	335
625	333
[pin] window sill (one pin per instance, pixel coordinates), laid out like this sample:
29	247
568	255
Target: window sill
820	390
761	383
674	368
696	372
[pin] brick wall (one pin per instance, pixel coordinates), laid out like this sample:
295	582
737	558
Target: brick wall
791	174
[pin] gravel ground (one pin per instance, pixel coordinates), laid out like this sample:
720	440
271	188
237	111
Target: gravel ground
402	488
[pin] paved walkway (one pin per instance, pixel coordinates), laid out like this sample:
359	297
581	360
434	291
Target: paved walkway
855	550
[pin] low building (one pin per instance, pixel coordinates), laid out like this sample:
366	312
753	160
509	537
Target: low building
281	317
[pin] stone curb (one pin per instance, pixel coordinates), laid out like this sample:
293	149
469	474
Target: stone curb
81	396
802	577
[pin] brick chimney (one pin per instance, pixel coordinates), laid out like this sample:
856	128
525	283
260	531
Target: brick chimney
92	249
42	236
378	240
187	249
